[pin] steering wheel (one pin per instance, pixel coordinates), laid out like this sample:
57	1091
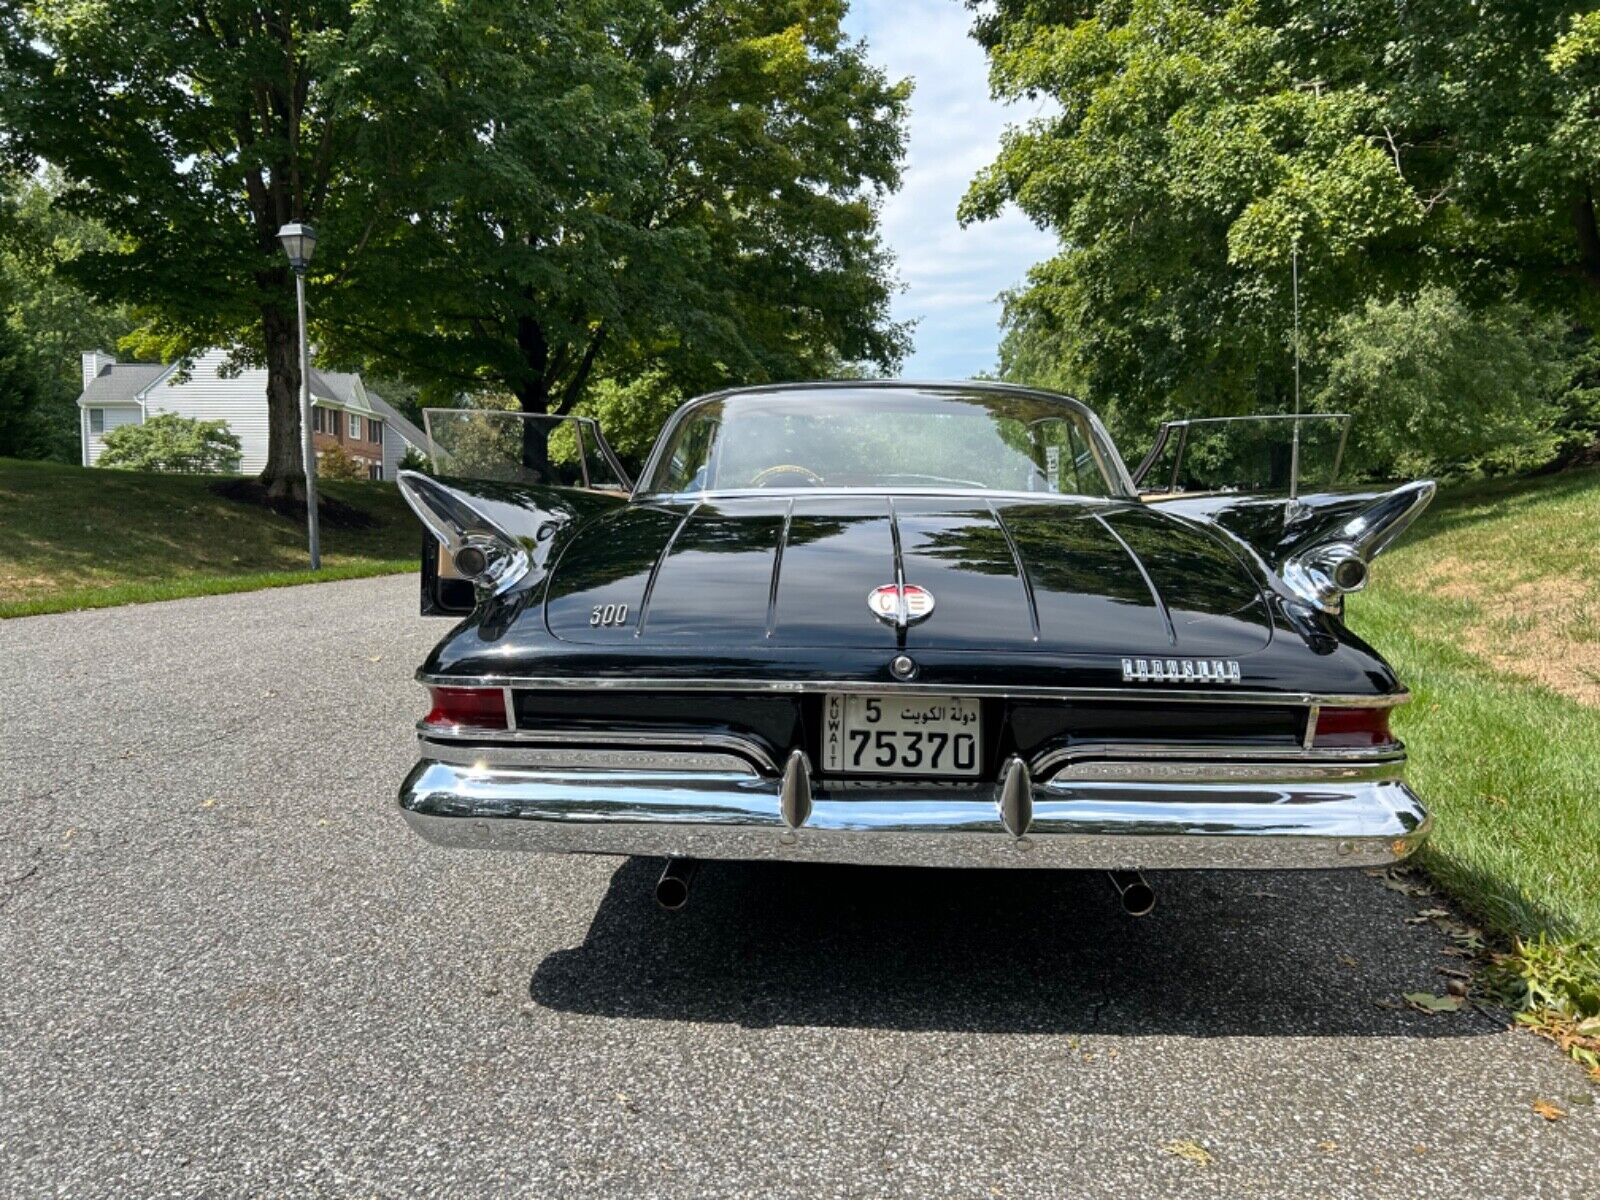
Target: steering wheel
762	478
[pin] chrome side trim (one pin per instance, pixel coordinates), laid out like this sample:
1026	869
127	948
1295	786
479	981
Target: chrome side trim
747	750
633	683
1100	825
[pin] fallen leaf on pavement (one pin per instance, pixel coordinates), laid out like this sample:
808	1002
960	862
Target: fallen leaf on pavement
1190	1151
1429	1003
1328	1147
1549	1110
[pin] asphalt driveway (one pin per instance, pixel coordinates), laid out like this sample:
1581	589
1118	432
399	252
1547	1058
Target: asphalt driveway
228	968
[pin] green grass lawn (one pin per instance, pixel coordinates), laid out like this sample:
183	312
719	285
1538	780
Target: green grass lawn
1490	611
72	538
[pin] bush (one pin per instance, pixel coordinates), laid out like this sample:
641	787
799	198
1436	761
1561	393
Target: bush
415	460
1438	388
173	444
337	463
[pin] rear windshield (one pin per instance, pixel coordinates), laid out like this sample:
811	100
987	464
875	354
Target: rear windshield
881	439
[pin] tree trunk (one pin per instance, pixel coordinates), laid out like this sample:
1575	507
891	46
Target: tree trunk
533	395
284	474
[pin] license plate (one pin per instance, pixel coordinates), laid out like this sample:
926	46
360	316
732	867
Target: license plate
900	735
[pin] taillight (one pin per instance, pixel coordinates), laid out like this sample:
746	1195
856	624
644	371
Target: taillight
475	708
1351	727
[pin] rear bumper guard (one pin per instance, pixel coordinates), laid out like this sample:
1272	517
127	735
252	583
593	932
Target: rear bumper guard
1136	815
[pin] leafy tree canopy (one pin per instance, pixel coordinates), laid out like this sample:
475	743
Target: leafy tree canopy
170	443
50	319
1193	146
193	132
684	193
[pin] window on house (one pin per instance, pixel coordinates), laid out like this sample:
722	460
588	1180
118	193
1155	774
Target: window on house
374	470
333	421
375	432
355	428
319	419
97	420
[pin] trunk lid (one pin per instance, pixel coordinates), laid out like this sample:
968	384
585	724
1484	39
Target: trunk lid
1061	577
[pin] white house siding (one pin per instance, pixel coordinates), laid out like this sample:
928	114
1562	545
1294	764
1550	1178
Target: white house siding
94	443
240	400
394	449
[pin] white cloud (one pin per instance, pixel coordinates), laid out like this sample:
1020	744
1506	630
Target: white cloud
953	276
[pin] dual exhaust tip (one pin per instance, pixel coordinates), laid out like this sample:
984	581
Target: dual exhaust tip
672	889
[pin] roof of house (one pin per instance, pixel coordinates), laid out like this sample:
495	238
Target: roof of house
120	383
335	385
388	412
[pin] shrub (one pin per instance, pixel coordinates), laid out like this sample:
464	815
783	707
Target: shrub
174	444
414	460
338	463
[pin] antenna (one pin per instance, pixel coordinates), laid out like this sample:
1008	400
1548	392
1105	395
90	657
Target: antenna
1294	452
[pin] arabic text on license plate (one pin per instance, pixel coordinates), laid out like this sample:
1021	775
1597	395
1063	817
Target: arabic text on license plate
900	735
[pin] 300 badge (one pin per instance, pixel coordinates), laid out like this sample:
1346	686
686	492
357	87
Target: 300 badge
608	614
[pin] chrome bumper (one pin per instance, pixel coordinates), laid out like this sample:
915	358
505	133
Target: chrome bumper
1097	815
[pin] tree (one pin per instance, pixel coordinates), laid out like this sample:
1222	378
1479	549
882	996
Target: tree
688	189
193	132
52	319
168	442
20	434
1195	147
1437	388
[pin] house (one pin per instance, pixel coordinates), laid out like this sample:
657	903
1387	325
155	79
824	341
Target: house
343	410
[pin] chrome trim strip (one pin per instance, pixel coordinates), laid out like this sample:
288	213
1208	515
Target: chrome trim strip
1150	584
511	708
653	760
1312	714
1022	570
1102	825
809	686
1154	752
752	752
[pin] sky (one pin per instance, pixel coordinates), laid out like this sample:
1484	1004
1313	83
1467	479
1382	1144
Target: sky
952	276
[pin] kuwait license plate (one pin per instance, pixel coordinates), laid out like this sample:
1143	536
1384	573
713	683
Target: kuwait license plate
900	735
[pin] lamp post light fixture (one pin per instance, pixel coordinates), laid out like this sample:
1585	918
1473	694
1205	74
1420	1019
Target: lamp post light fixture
299	243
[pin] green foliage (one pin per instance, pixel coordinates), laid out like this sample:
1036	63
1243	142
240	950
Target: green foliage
49	318
631	413
192	135
335	462
176	445
1194	146
414	460
646	190
1436	388
20	435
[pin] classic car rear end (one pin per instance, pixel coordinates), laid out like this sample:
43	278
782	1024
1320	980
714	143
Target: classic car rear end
912	625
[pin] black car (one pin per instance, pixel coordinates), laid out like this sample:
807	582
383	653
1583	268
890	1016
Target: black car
899	623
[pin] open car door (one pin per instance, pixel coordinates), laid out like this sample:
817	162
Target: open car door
520	450
1272	481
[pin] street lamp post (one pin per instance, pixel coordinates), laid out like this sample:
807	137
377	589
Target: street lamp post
299	241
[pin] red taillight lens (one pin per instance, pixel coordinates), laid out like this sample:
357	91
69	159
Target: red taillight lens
478	708
1357	727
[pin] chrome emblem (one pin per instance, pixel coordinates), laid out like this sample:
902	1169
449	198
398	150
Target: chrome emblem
1180	670
900	604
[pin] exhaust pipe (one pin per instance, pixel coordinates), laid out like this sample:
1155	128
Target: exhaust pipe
672	889
1137	896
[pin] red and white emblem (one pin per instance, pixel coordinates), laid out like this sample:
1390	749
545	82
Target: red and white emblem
900	604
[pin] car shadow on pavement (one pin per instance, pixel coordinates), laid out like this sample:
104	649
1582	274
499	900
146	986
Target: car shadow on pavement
1224	953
